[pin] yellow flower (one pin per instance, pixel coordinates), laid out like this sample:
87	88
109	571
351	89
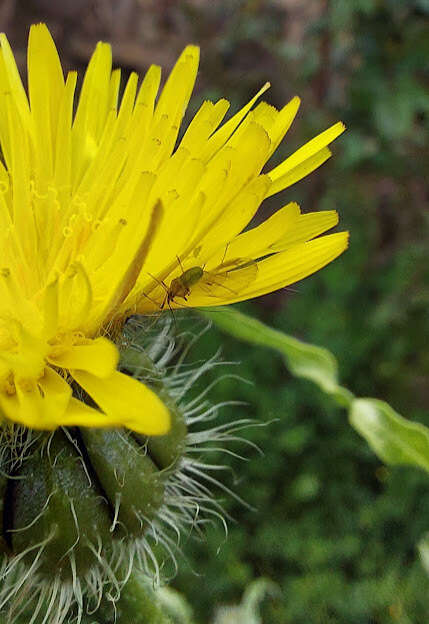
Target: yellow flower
101	216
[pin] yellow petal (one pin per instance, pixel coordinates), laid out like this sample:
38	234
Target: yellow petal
254	242
275	122
95	93
45	87
79	414
172	241
307	226
221	136
284	121
107	164
309	149
203	125
142	118
297	262
300	171
131	268
63	155
98	356
39	405
178	88
19	167
246	154
287	267
50	307
235	218
92	110
223	283
15	83
76	297
127	401
258	241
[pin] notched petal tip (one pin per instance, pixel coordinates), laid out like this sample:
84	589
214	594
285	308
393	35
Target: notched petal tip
337	242
190	54
40	26
294	104
191	49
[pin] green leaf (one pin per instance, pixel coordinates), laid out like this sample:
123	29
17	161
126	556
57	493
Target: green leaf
394	439
302	359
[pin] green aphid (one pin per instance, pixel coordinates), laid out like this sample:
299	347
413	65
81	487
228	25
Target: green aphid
181	286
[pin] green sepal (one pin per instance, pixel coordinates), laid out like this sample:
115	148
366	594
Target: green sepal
166	450
57	509
131	481
137	363
138	604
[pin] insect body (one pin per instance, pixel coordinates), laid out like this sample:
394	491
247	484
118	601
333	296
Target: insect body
224	281
181	286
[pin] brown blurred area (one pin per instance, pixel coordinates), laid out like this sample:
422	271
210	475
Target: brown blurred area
155	31
140	32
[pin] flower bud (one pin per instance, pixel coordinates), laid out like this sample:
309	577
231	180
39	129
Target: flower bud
80	505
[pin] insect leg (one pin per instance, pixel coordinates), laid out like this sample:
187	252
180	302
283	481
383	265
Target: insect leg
165	287
224	254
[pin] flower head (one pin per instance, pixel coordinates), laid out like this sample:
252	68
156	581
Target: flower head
103	216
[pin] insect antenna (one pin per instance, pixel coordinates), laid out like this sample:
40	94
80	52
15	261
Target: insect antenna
164	286
224	254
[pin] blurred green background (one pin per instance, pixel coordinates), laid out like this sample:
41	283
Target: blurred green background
332	527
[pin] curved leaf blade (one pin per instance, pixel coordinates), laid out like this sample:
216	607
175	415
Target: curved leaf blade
302	359
394	439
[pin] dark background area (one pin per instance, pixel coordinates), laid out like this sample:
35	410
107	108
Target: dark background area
335	529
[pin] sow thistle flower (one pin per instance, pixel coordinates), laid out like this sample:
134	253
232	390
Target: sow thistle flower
100	212
104	215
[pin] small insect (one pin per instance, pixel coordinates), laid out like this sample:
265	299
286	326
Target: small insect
226	279
181	286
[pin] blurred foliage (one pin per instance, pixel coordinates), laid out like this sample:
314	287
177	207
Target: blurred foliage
332	526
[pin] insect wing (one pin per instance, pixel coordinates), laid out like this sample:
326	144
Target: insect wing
222	284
